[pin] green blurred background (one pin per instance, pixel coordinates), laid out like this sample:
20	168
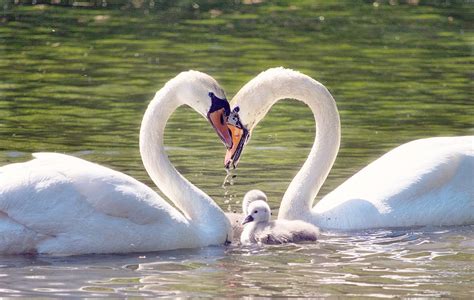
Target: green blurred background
76	77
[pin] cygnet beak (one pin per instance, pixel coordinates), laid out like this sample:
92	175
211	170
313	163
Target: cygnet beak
248	219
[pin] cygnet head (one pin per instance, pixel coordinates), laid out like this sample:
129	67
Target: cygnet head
251	196
259	211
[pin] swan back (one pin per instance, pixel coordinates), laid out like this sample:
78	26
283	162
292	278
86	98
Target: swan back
60	204
420	183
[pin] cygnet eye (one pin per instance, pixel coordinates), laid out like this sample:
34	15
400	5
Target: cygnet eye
255	212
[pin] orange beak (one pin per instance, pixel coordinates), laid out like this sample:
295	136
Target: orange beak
239	139
218	120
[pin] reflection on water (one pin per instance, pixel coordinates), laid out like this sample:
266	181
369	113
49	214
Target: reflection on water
414	263
76	80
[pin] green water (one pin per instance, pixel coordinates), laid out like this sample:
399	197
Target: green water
76	79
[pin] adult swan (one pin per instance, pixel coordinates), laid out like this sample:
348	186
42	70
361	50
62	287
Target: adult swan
59	204
424	182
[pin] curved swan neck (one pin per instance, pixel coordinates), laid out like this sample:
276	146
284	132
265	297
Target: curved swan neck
194	203
279	83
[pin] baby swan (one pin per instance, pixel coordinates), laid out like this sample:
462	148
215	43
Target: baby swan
251	196
236	219
260	229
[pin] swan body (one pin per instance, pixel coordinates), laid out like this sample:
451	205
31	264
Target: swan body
236	219
259	229
59	204
421	183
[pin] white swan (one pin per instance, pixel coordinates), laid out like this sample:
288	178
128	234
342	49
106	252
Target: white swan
259	229
424	182
59	204
236	219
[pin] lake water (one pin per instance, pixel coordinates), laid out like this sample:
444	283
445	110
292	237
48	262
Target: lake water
76	78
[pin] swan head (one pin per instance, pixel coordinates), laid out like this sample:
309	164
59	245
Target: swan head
217	115
240	136
203	93
259	211
251	104
251	196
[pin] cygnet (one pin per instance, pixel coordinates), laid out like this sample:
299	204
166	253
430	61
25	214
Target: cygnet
259	229
251	196
236	219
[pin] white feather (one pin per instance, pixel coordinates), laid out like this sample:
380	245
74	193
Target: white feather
261	230
59	204
421	183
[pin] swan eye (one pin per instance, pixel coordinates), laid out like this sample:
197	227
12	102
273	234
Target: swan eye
255	212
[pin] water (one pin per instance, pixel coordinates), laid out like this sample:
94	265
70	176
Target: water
414	263
77	80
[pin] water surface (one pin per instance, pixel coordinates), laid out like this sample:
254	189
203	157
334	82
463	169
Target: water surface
413	263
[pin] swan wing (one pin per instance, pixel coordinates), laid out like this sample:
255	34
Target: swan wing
56	194
111	192
424	182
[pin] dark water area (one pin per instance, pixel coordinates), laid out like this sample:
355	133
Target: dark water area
76	77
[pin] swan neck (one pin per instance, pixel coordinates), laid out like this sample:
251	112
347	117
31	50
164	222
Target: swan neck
303	189
193	202
277	84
